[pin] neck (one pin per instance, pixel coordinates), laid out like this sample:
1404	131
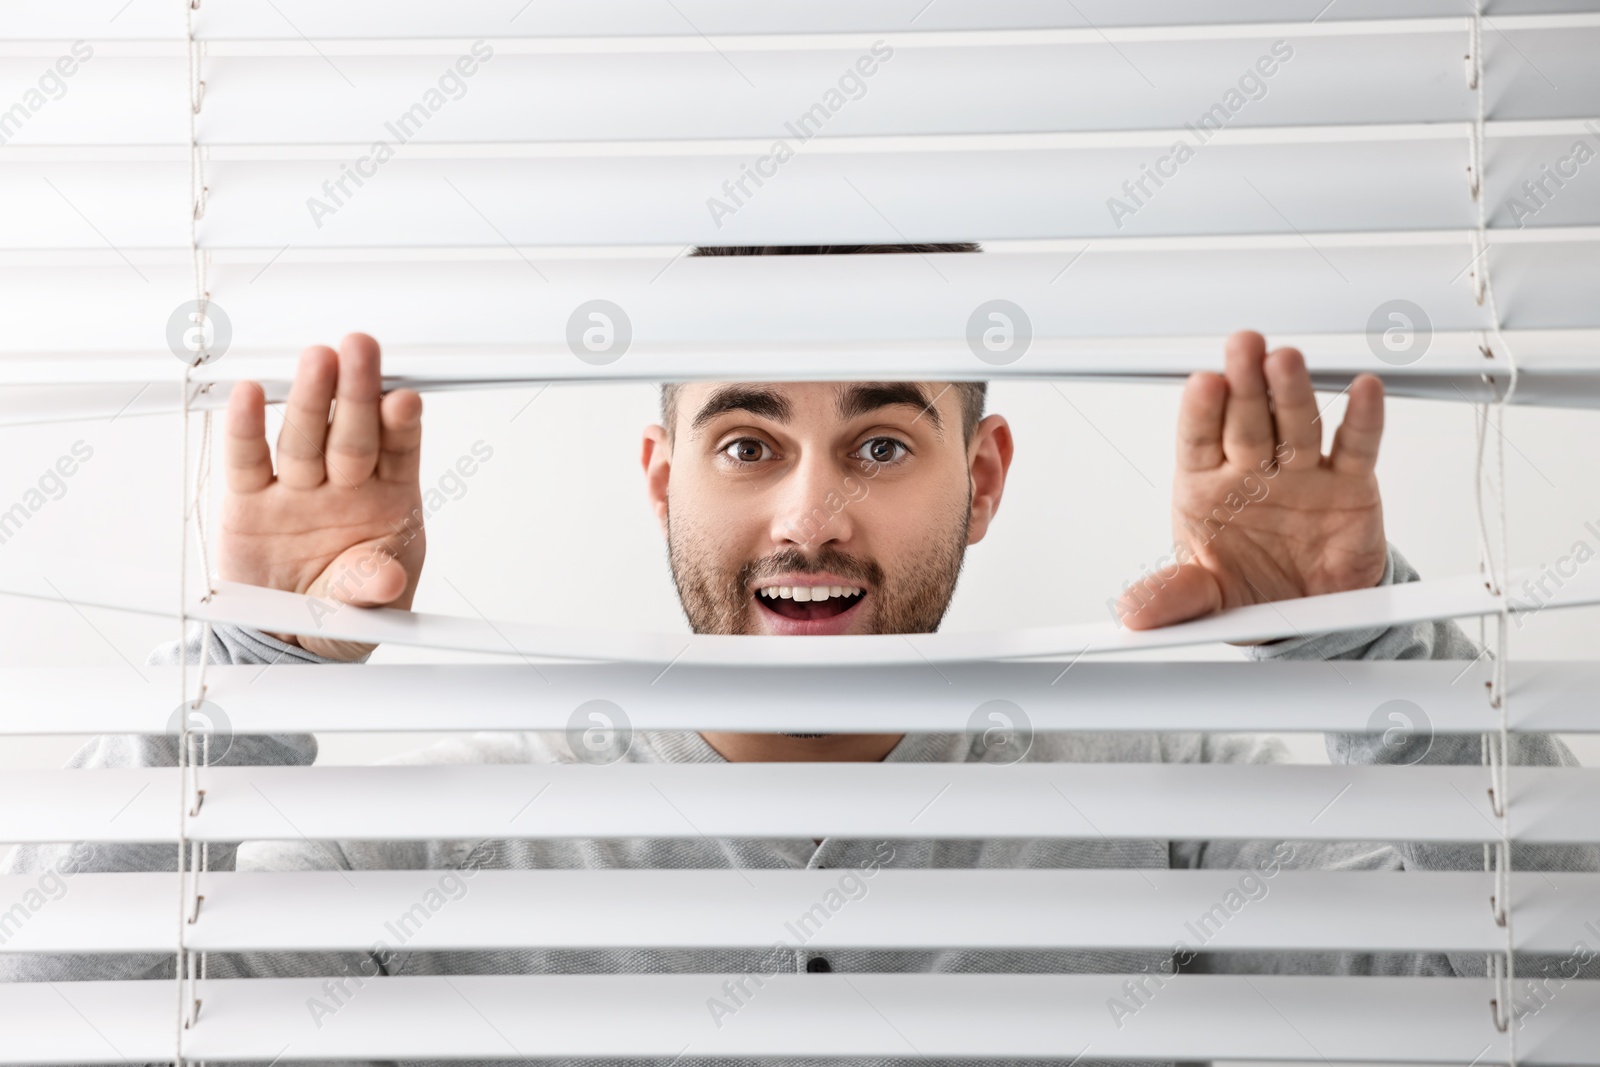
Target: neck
776	748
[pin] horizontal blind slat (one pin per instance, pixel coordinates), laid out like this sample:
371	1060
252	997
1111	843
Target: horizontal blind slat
1120	801
269	150
834	190
275	92
37	19
1454	360
1298	1018
1557	368
1442	696
89	584
1079	302
630	27
1453	364
278	612
24	405
888	909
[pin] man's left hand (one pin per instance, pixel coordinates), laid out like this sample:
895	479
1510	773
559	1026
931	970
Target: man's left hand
1258	512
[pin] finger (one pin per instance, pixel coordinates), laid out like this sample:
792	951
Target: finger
365	575
1294	409
305	419
1160	600
401	457
1247	435
1355	445
353	437
1205	397
245	453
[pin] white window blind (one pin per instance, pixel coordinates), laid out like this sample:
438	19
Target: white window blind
1341	163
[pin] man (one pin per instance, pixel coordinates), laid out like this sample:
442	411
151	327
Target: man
738	475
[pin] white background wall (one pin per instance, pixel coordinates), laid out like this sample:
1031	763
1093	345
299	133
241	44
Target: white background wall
555	528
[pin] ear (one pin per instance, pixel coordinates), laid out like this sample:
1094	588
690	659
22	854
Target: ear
656	458
988	460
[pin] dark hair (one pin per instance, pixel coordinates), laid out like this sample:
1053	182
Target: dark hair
972	394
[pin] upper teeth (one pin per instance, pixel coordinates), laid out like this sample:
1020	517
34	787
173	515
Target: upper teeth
809	592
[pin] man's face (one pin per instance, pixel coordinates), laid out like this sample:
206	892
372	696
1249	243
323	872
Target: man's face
819	507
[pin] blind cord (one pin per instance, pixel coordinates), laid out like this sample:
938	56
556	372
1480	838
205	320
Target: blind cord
193	749
1496	747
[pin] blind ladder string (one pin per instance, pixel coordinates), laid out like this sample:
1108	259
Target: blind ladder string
1494	560
193	748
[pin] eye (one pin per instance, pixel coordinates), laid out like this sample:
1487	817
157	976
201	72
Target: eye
882	450
746	450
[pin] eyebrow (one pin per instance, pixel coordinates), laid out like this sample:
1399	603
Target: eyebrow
861	398
754	399
854	401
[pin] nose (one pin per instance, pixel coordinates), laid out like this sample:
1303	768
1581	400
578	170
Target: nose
812	504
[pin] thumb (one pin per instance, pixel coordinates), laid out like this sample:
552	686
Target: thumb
366	575
1163	598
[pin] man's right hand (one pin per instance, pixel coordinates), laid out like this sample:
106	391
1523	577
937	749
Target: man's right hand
342	518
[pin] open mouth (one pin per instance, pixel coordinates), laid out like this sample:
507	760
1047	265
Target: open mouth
809	603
